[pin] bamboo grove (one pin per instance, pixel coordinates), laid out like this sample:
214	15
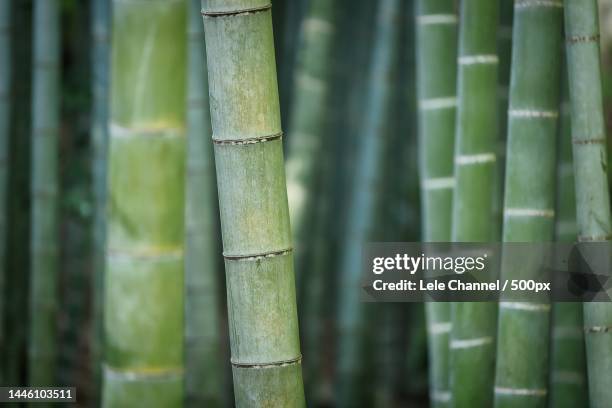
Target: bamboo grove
190	191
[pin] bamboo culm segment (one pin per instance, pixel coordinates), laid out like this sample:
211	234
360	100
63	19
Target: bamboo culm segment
364	208
253	203
44	190
5	114
567	374
529	200
144	276
472	368
590	164
203	365
437	78
308	122
100	34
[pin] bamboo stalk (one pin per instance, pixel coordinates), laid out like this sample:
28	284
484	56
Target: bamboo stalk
245	117
522	379
567	374
143	316
100	34
473	324
309	118
590	164
203	384
364	207
436	23
42	352
5	114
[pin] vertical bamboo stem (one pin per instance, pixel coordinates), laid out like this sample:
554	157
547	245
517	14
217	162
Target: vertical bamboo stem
247	141
42	351
100	34
567	374
522	379
436	23
472	342
144	284
590	165
203	384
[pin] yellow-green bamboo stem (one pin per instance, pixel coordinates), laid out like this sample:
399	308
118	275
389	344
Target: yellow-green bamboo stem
143	316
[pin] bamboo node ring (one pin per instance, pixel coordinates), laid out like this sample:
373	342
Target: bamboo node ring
520	4
236	12
248	141
594	238
535	392
598	329
575	39
254	257
281	363
595	140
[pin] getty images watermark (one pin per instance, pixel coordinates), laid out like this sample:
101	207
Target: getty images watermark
477	272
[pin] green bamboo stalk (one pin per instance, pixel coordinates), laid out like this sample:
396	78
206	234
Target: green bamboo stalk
436	87
5	114
522	379
364	207
306	130
247	141
100	34
590	164
143	316
42	351
473	324
567	374
203	384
